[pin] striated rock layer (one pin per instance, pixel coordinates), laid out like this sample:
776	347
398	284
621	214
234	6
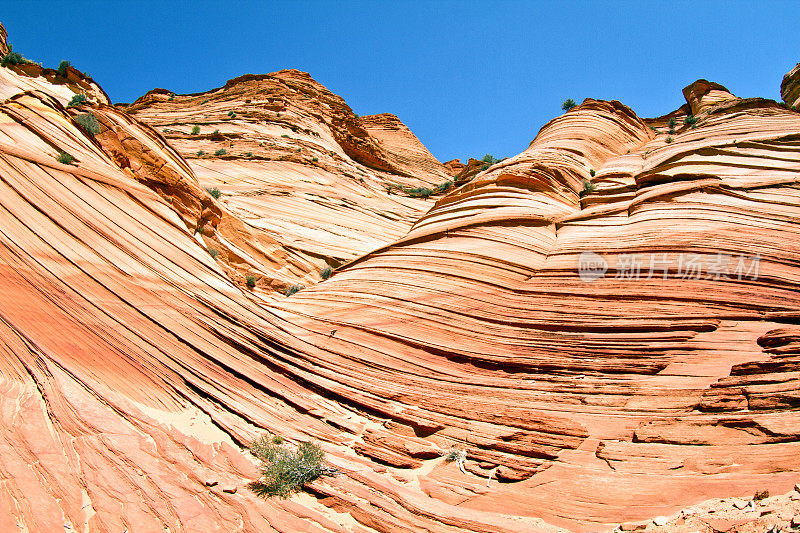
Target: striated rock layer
134	365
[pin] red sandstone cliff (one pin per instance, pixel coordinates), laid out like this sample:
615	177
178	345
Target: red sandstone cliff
134	366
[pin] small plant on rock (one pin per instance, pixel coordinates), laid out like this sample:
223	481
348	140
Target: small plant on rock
588	188
568	104
215	192
690	120
65	158
591	172
214	253
285	136
315	159
78	99
761	495
200	152
250	280
221	151
294	289
13	58
326	272
285	471
456	455
89	123
195	130
62	68
668	140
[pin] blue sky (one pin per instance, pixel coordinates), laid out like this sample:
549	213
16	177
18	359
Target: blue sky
469	78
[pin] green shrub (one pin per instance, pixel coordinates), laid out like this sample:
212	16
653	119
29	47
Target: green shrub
285	136
294	289
285	471
251	280
248	154
215	192
668	140
315	159
89	123
200	152
444	186
171	97
761	495
205	101
65	158
214	253
277	439
568	104
588	188
419	192
690	120
78	99
326	272
195	130
591	172
221	151
62	68
13	58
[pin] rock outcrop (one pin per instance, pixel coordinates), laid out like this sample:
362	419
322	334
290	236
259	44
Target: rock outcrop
605	324
790	87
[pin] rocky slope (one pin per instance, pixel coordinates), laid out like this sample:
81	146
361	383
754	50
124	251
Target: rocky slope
592	348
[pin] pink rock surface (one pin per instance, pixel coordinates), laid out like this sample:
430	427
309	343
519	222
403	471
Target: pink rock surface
134	368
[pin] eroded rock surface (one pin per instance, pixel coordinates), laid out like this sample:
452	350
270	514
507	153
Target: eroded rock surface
134	366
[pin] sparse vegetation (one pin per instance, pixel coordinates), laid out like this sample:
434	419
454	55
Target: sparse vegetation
248	154
214	253
200	152
195	129
326	272
215	192
285	471
285	136
221	151
205	101
62	68
65	158
13	58
250	280
588	188
419	192
231	114
89	123
171	97
568	104
444	186
761	495
294	289
315	159
591	172
456	455
668	140
78	99
690	120
277	439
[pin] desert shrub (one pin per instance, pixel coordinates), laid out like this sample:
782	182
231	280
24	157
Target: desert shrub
690	120
171	97
485	166
221	151
444	186
89	123
277	439
489	158
285	471
13	58
65	158
250	280
668	140
231	114
195	129
78	99
568	104
248	154
62	68
200	152
215	192
326	272
761	495
294	289
285	136
205	101
216	132
419	192
214	253
315	159
591	172
588	188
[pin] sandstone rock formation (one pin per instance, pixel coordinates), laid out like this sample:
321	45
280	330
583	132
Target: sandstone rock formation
135	367
790	87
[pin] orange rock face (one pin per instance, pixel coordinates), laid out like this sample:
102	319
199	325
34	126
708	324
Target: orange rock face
790	87
604	324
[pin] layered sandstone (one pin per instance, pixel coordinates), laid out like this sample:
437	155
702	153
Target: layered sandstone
790	87
135	366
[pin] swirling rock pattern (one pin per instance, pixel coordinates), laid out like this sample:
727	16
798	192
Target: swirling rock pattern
134	369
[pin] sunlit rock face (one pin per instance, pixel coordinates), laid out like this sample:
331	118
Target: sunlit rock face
606	323
790	88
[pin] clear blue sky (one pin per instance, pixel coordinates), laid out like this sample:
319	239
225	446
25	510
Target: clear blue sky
468	78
